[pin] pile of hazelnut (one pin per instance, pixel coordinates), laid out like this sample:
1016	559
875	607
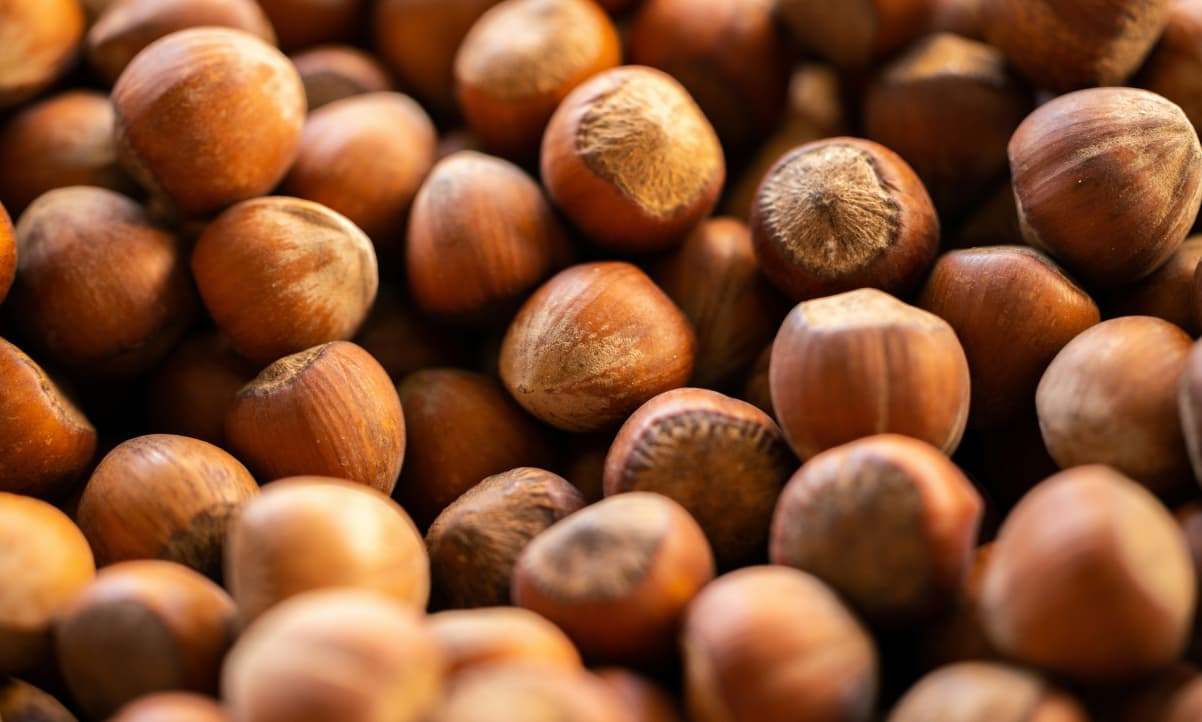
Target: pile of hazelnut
600	360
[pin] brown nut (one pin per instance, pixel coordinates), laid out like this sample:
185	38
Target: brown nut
644	700
8	254
475	542
388	667
403	340
48	561
22	702
887	521
1100	611
722	459
1189	518
192	390
592	344
41	41
1068	44
758	391
126	514
1013	309
234	107
280	275
128	26
985	692
1124	150
1174	69
47	441
309	532
142	627
617	576
481	236
330	411
64	140
852	34
1170	292
334	72
520	59
716	281
1189	406
365	157
529	693
840	214
1174	695
961	17
473	638
99	287
872	364
173	706
768	643
632	161
1094	410
304	23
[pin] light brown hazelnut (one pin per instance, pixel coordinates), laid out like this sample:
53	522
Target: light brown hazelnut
985	692
173	706
529	693
40	43
474	638
644	700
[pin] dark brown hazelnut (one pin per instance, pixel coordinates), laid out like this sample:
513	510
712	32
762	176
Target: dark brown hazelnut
475	542
309	532
403	340
520	59
852	34
48	562
758	391
985	692
365	157
1013	309
582	462
592	344
1170	292
529	693
716	281
722	459
141	627
616	576
871	364
1174	695
1108	181
994	221
1174	69
208	117
632	161
473	638
173	706
128	26
334	656
1099	612
42	39
1094	410
280	275
481	236
644	700
763	644
100	288
330	410
888	521
840	214
126	514
192	391
334	72
47	441
22	702
304	23
1068	44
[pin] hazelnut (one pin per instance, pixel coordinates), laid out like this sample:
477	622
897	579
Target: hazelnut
334	656
419	39
142	627
403	340
1170	292
716	281
280	275
1171	696
1013	309
592	344
520	59
472	638
722	459
768	643
852	34
22	702
208	117
126	512
583	463
617	576
1099	611
330	410
644	700
960	17
840	214
64	140
1189	518
100	288
993	222
529	693
475	542
309	532
304	23
481	236
334	72
47	441
871	364
193	389
948	106
365	157
1127	151
48	562
887	521
758	391
985	692
1189	404
41	41
1174	69
728	54
8	254
1094	410
173	706
128	26
1068	44
632	161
